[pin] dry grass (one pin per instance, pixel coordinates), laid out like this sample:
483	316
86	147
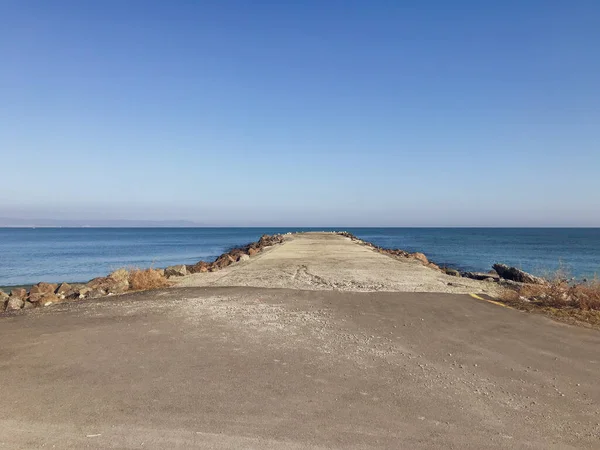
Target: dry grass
559	298
145	279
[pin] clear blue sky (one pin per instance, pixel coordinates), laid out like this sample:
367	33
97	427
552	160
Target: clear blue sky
341	113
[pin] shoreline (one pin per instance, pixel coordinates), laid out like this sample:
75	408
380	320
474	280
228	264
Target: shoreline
509	285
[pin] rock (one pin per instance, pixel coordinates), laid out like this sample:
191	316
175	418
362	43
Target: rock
451	272
40	291
222	261
64	290
199	267
433	266
19	293
236	253
49	299
176	271
244	257
266	240
83	292
3	299
120	275
28	305
480	276
14	303
421	257
252	251
491	280
95	293
109	285
514	274
161	272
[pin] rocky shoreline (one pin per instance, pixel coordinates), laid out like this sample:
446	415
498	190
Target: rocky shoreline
500	273
122	280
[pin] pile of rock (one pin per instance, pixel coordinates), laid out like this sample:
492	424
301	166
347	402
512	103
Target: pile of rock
396	252
44	294
118	282
501	273
235	255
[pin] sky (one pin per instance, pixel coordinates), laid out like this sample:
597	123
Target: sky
306	113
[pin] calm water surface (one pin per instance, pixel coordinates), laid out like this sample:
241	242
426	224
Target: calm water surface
78	254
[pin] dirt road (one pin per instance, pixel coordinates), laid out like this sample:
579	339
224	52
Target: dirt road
245	367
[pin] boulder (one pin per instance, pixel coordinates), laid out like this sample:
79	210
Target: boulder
421	257
40	291
3	299
433	266
266	240
83	292
481	276
19	293
64	290
244	257
14	303
199	267
120	275
222	261
252	251
109	285
176	271
28	305
514	274
236	253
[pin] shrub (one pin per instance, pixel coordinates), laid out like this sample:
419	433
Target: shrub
145	279
559	292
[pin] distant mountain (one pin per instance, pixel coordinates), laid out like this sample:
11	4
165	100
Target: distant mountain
11	222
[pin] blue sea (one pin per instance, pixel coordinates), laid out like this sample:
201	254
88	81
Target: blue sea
30	255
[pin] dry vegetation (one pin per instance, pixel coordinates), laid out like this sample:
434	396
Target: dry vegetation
144	279
559	298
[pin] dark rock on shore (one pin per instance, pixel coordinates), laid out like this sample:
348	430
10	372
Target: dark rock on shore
514	274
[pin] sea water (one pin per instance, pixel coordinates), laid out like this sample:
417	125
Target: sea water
30	255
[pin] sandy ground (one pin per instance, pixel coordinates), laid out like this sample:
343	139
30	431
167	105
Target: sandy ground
328	261
323	368
267	368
